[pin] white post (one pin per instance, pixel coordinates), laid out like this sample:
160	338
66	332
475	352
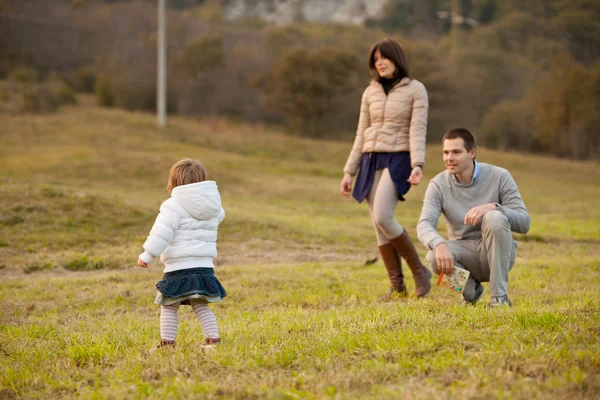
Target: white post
161	95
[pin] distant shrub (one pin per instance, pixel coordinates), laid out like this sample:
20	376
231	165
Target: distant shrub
104	92
139	94
23	74
508	125
565	106
202	54
63	92
136	95
85	80
211	11
85	263
39	99
253	22
4	93
307	86
39	267
22	93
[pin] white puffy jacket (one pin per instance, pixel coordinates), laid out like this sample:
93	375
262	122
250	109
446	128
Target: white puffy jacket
185	231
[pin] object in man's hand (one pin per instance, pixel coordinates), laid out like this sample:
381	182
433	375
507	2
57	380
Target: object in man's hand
456	281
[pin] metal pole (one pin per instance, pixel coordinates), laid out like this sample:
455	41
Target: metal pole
459	21
455	28
161	98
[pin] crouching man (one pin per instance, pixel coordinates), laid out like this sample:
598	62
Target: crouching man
482	206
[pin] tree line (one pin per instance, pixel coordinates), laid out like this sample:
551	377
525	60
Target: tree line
524	76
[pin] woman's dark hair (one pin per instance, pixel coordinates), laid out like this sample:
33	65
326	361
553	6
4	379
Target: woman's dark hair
390	49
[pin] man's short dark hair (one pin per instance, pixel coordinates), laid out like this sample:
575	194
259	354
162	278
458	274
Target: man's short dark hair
464	134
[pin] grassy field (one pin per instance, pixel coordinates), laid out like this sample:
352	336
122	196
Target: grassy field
79	191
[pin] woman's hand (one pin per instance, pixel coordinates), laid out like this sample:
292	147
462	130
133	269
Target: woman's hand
415	176
142	264
346	185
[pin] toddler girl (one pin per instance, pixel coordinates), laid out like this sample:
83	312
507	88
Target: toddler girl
185	236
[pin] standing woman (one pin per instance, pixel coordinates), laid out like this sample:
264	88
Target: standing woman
390	150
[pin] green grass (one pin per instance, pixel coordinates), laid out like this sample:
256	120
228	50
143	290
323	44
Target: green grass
79	191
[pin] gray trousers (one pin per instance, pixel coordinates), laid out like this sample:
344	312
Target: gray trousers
488	259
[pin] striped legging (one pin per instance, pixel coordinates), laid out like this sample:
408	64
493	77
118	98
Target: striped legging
169	321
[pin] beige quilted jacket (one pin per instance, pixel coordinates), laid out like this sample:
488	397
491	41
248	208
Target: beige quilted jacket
392	123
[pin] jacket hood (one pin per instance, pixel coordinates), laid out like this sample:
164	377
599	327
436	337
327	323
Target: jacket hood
201	200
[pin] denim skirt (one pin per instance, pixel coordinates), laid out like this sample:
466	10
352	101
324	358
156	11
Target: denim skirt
398	164
189	286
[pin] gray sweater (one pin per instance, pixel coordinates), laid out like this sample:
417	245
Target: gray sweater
445	196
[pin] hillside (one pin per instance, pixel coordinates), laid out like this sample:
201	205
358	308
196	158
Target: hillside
90	180
79	190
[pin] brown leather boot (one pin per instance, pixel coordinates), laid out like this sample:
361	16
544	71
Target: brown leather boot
405	247
393	265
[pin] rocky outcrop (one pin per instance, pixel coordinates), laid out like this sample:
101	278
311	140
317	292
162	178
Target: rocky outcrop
289	11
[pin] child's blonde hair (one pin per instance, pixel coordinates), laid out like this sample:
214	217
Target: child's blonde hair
184	172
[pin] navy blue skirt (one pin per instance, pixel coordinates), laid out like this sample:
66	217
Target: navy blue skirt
190	284
398	164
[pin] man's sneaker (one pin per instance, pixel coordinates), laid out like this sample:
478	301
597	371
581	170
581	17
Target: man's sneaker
478	295
500	301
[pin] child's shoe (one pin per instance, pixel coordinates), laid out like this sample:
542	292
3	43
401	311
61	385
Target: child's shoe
211	343
163	343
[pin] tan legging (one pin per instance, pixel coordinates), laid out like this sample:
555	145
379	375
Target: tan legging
382	200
